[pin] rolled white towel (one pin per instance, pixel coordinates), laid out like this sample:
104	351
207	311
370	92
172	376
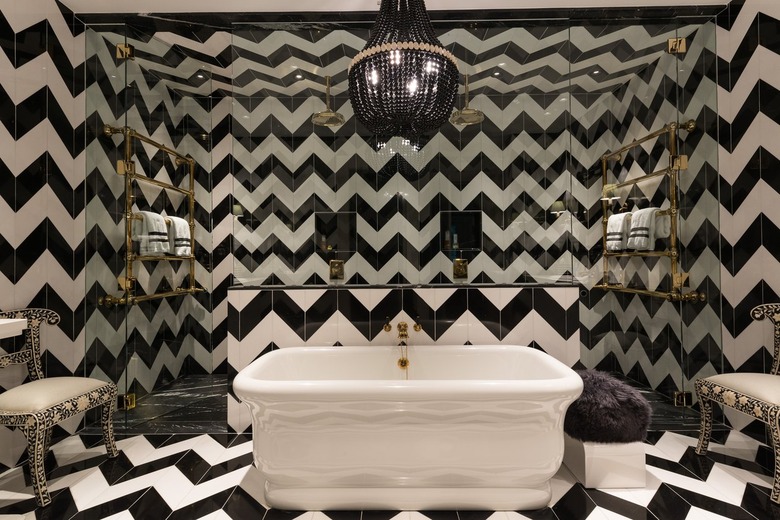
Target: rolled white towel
180	239
663	226
641	236
617	231
151	233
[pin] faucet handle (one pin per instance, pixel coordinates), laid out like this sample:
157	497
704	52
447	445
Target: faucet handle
417	327
387	327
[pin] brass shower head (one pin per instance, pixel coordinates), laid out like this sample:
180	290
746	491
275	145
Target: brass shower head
327	117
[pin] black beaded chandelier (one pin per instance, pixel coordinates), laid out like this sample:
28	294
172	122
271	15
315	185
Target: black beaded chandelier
403	82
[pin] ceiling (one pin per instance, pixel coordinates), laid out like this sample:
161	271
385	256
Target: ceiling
335	6
291	60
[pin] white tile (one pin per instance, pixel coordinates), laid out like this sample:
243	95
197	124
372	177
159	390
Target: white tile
216	515
478	333
672	446
174	487
124	515
600	514
87	490
696	513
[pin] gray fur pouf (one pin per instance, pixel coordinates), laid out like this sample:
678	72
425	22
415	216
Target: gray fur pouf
609	411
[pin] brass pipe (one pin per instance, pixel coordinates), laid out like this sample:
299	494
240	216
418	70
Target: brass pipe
604	220
639	253
672	296
135	216
688	125
647	177
130	257
127	131
672	253
152	258
149	180
109	301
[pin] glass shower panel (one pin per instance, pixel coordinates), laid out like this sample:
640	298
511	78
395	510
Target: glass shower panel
106	103
701	353
164	338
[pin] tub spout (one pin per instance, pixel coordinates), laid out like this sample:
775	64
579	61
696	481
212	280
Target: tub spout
403	331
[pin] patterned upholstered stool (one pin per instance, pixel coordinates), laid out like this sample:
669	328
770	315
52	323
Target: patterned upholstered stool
34	407
755	394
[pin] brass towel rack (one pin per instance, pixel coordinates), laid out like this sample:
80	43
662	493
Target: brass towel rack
676	164
126	167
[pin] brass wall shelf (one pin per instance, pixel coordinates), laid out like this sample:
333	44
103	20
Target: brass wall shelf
672	172
126	167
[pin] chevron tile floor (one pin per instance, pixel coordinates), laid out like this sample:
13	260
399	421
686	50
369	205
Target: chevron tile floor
210	476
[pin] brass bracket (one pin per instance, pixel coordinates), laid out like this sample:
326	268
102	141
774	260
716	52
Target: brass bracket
125	283
125	167
125	51
125	401
677	46
682	398
680	280
680	162
336	271
460	269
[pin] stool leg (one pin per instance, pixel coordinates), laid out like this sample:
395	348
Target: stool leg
774	426
107	424
705	429
36	441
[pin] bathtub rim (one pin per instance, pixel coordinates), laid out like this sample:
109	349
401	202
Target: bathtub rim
247	387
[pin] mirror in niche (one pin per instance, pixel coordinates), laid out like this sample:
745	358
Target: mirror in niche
550	91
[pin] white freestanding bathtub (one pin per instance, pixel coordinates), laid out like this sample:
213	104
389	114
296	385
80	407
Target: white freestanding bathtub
473	427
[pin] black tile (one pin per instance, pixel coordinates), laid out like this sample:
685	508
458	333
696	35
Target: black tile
375	515
241	505
150	505
620	506
669	465
151	467
345	515
202	507
668	505
112	507
193	466
226	467
575	504
756	501
713	505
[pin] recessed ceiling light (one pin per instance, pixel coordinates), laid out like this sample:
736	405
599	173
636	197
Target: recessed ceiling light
496	73
200	76
298	76
596	71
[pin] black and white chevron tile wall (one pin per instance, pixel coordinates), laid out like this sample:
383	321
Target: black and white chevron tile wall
42	184
505	174
749	156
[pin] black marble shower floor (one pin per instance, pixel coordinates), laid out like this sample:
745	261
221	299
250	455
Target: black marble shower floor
198	404
191	404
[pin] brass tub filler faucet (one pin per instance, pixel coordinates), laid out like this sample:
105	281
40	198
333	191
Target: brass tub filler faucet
403	338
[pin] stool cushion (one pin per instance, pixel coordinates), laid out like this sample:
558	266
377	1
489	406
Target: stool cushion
764	387
45	393
609	410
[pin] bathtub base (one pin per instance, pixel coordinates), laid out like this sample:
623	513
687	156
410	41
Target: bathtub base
410	499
